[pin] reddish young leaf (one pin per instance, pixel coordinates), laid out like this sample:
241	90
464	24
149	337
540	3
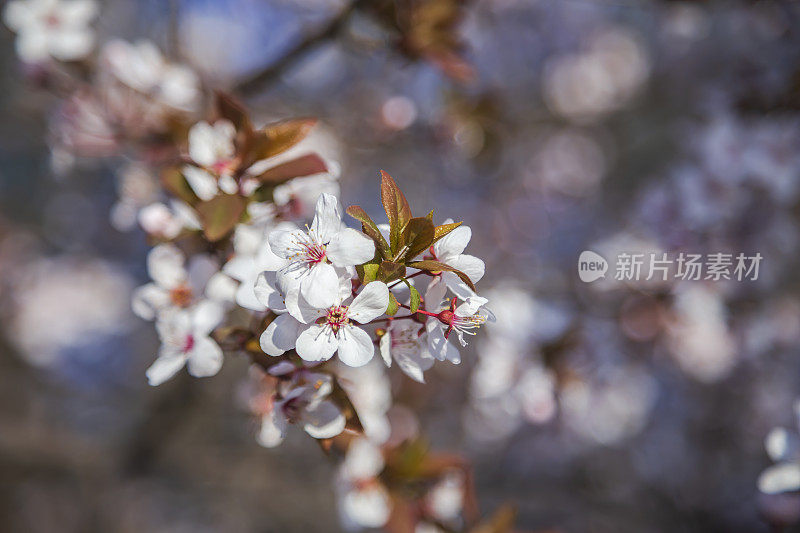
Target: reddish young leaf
397	210
220	215
230	109
435	266
418	235
175	183
302	166
278	137
370	229
444	229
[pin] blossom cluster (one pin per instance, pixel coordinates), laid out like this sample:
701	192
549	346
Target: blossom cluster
252	256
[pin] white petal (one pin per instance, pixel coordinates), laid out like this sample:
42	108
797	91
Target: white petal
202	183
228	185
454	283
201	144
385	346
316	343
18	14
368	508
221	288
205	358
438	345
148	300
273	428
240	267
284	242
69	45
165	265
325	421
469	265
281	335
780	478
164	368
370	303
350	247
32	46
414	363
77	12
320	287
452	244
327	218
355	346
207	315
267	294
434	294
303	311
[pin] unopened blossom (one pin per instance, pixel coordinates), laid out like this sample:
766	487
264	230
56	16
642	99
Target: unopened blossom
305	404
314	255
363	500
167	222
177	284
450	251
142	67
457	320
185	340
404	341
330	328
51	28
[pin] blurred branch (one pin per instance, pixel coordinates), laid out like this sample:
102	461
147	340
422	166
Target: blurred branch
272	72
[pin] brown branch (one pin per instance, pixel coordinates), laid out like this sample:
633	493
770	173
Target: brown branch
272	72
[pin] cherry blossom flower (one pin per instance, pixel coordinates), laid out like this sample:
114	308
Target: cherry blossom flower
185	340
783	447
177	285
305	404
461	319
211	146
143	68
314	255
403	343
363	500
329	329
51	28
246	267
370	392
449	250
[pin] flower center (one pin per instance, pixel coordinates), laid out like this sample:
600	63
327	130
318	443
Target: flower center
307	250
336	318
223	166
181	295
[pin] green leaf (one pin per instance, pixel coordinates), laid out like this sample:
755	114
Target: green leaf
370	229
444	229
435	266
389	271
220	215
302	166
418	236
278	137
394	305
370	271
397	210
415	297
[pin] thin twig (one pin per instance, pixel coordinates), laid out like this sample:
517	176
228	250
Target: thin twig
273	71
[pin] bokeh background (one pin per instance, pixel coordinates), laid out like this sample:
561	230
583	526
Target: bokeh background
587	124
